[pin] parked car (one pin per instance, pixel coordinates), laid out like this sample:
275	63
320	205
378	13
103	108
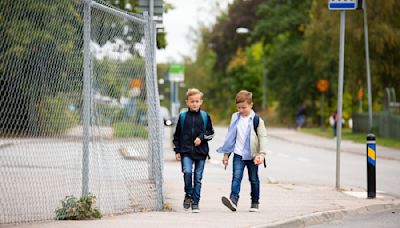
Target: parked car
166	117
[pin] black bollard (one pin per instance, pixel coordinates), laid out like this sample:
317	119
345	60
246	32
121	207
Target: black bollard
371	166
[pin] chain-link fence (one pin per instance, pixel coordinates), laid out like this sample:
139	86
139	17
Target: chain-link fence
79	109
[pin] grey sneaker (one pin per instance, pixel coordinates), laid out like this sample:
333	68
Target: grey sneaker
195	208
187	201
229	203
254	207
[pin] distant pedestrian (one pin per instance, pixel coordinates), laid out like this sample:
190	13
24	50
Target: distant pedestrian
193	131
300	117
246	138
333	122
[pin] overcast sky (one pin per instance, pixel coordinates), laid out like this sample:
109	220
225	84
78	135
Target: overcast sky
179	22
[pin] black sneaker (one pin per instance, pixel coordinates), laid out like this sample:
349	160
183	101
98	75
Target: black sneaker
195	208
187	201
254	207
229	203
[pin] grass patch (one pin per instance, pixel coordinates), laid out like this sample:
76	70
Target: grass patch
127	130
347	134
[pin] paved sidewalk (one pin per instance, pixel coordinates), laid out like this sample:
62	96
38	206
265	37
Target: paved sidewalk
282	205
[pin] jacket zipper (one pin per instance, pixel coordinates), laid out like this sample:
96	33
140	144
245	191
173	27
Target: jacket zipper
192	132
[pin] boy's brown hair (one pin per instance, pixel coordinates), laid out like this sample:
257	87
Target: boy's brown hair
244	96
193	91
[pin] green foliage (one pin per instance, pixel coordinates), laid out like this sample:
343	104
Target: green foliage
161	40
125	130
281	27
54	117
384	42
74	209
40	56
108	114
246	70
216	49
300	45
113	77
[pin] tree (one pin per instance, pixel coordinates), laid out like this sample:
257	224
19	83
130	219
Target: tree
281	27
40	56
384	43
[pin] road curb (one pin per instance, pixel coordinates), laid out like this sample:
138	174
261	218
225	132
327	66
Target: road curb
327	216
4	145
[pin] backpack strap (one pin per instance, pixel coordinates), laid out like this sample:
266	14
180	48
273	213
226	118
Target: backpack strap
256	122
182	119
205	118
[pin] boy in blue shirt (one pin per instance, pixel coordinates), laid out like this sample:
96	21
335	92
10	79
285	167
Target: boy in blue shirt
248	143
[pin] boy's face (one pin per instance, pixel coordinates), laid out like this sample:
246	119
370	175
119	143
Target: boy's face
244	108
194	102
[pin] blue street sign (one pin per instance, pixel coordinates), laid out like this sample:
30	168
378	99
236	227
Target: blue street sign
342	4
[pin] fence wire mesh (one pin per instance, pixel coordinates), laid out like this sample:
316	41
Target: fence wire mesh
45	104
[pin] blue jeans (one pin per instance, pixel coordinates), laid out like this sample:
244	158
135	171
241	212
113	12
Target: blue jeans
192	185
238	169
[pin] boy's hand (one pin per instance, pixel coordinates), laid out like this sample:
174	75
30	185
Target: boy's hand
258	160
197	141
178	156
225	160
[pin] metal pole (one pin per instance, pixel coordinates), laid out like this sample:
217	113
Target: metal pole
171	96
322	111
151	9
340	96
118	13
86	97
158	168
367	64
177	107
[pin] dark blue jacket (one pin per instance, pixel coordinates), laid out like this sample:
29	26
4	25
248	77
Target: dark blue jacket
192	128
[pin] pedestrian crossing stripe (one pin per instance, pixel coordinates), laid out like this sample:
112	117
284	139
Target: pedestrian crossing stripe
371	154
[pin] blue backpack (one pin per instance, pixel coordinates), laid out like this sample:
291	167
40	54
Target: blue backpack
202	113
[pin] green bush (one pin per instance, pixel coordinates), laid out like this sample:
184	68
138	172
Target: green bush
53	115
108	114
74	209
125	129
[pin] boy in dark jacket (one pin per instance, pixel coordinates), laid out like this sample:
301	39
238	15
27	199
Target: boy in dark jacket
193	131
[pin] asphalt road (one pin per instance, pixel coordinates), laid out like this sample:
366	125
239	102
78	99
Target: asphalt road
386	219
293	163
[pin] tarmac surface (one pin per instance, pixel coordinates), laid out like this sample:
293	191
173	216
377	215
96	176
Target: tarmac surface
282	205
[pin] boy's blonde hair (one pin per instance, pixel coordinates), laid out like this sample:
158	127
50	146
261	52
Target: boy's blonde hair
193	91
244	96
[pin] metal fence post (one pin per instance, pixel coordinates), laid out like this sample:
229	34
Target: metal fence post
86	97
154	156
158	168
